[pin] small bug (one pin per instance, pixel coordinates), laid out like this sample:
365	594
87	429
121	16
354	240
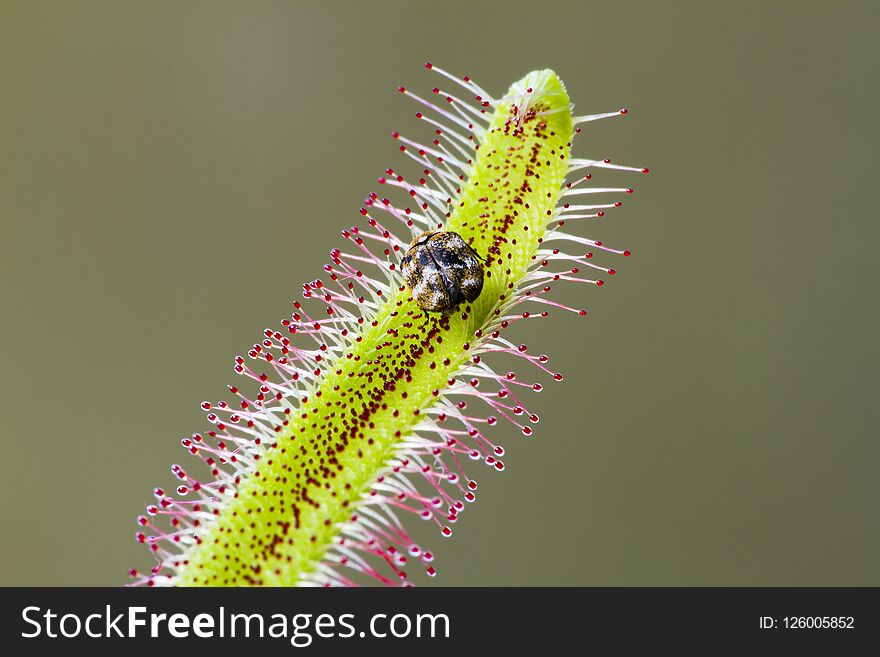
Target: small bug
442	270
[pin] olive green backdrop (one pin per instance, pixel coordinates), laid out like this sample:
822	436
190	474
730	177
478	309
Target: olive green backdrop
170	172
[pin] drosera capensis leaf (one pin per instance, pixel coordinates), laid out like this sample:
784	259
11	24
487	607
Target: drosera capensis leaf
367	409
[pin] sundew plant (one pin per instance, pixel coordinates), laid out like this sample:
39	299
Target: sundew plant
362	413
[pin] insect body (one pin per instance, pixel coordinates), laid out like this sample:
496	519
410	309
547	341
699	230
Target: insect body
442	270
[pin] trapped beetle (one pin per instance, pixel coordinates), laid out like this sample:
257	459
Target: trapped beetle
442	270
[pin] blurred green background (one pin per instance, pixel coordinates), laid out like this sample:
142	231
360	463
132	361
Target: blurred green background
170	172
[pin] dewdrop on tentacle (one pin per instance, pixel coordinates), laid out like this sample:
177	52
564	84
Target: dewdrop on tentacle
375	404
